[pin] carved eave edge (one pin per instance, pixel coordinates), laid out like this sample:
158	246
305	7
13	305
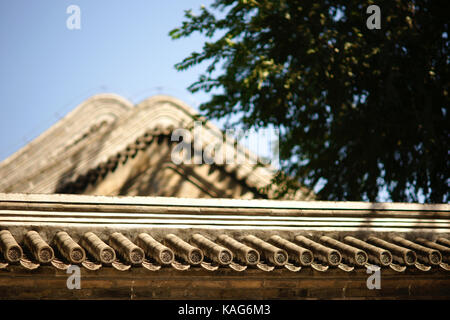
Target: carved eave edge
125	124
162	214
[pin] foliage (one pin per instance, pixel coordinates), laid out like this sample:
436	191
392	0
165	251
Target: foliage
365	110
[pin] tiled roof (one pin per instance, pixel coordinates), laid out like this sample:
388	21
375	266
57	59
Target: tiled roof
161	135
107	130
221	234
238	253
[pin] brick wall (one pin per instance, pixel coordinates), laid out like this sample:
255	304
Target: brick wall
108	283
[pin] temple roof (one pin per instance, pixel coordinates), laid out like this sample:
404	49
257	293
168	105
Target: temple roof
179	248
98	190
280	223
106	133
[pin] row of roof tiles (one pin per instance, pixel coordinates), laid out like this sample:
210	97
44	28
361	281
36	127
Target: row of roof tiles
225	251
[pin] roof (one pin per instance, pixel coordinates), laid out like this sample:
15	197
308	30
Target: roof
221	248
272	228
106	131
162	246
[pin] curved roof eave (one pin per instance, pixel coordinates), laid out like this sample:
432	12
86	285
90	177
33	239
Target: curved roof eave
43	155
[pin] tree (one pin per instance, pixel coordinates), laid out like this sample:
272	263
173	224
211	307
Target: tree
361	111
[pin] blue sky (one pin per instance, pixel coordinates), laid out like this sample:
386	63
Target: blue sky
122	47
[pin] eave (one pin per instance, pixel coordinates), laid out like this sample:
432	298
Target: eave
76	214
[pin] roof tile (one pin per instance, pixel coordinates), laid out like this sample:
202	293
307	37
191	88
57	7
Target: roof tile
223	252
